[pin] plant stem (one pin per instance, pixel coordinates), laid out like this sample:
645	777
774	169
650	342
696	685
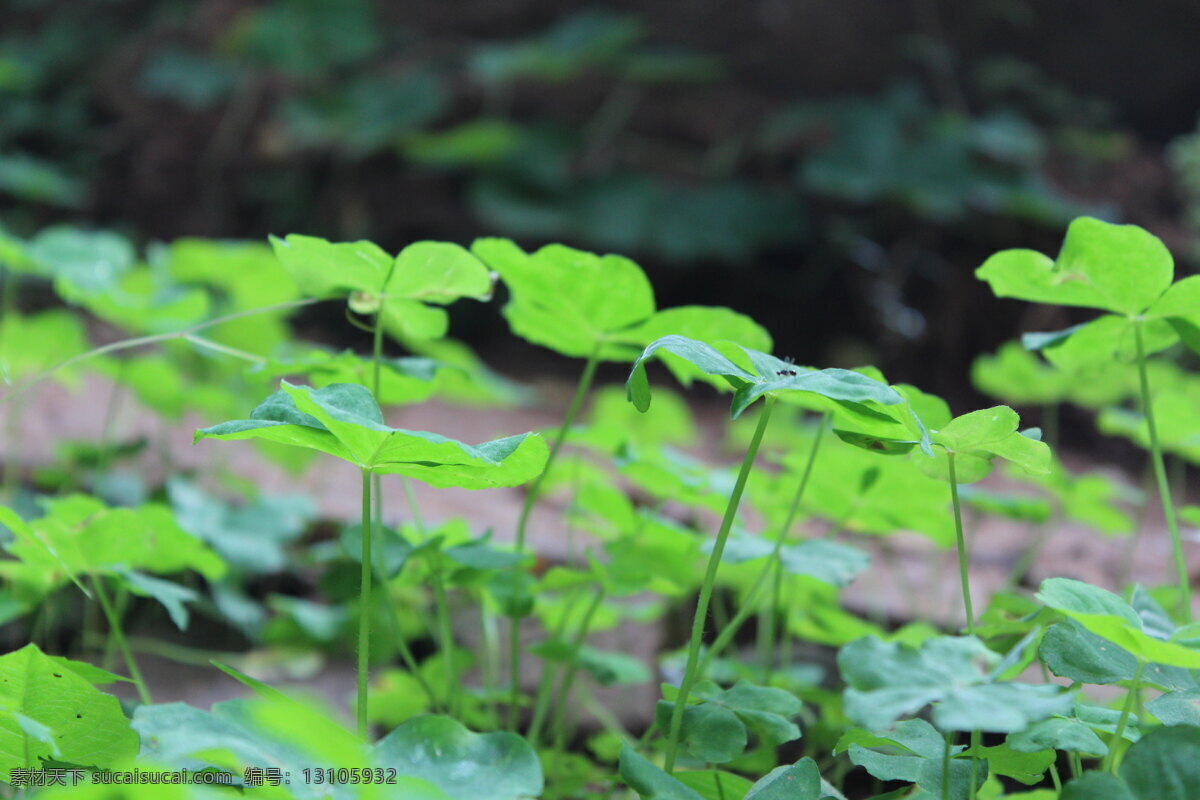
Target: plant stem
962	546
568	678
114	629
946	769
706	588
364	608
514	633
976	744
1160	475
964	572
730	630
445	635
774	650
1110	760
377	496
545	690
1054	776
1050	424
141	341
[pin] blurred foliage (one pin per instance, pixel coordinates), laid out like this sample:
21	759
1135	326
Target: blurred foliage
598	127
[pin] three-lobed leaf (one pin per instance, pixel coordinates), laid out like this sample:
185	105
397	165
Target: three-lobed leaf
343	420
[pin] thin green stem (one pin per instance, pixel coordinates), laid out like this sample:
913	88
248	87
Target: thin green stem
706	587
964	573
730	630
960	540
364	609
142	341
217	347
531	497
976	745
946	769
568	679
1110	760
1160	475
545	690
1055	777
377	356
118	636
445	635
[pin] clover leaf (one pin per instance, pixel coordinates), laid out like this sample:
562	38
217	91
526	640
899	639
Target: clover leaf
1121	269
403	290
1118	268
650	782
1162	766
569	300
1071	651
79	535
49	711
464	765
978	437
1107	615
913	751
769	374
579	304
716	729
887	680
343	420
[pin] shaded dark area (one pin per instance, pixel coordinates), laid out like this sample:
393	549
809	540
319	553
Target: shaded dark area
835	169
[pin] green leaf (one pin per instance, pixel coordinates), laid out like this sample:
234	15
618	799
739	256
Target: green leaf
771	374
80	535
251	537
1177	708
888	680
82	263
978	437
913	752
39	696
700	355
1119	268
1028	768
569	300
711	733
1072	651
396	288
1163	765
716	729
343	420
173	597
1058	733
89	672
33	343
650	782
1019	377
799	781
705	323
1107	615
713	784
464	765
607	668
1097	786
1182	299
274	731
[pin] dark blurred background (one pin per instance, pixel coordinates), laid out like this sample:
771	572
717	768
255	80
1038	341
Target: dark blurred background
837	169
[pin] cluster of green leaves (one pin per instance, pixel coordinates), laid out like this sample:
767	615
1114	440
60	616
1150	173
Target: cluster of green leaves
908	708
